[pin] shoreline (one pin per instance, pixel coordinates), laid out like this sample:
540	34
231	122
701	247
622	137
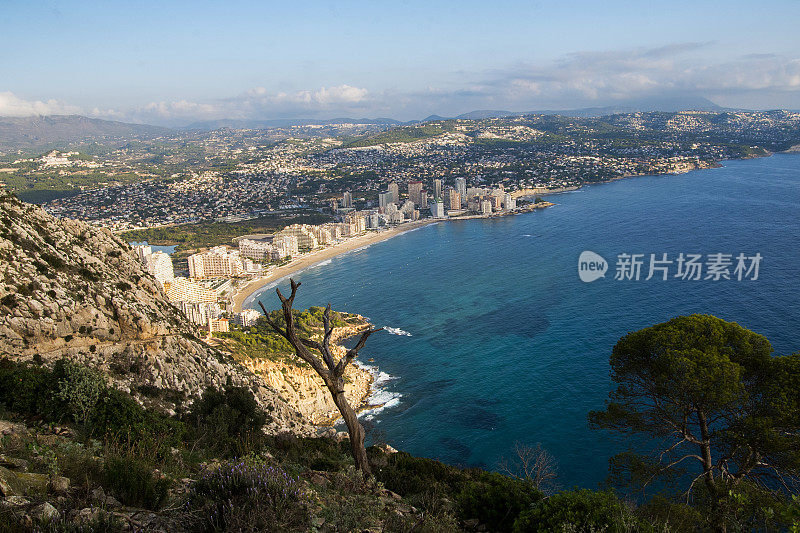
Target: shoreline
324	254
362	241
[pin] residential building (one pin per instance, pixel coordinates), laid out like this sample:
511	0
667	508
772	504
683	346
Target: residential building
219	261
414	190
304	234
461	187
437	188
454	199
509	202
384	199
437	209
246	318
394	190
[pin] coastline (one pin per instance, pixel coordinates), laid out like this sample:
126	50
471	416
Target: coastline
324	254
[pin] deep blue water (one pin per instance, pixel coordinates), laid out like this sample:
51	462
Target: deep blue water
509	345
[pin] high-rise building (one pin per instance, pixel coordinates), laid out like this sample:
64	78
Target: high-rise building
437	209
142	251
347	199
437	188
394	191
423	199
461	187
486	207
218	262
384	199
453	200
509	202
414	189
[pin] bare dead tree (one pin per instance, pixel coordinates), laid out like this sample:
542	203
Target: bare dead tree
533	464
325	365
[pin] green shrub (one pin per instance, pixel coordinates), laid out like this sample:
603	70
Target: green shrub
26	389
134	481
315	453
497	500
79	388
228	421
579	510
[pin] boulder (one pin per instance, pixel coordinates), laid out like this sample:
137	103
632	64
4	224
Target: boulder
33	483
60	484
45	513
10	485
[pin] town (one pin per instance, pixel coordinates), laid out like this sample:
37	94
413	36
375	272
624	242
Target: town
206	296
232	175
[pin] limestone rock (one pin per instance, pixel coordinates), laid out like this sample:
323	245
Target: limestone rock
71	290
45	513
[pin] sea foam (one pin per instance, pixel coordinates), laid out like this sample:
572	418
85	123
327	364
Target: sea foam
396	331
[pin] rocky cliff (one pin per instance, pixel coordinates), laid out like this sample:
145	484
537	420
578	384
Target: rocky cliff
302	388
68	289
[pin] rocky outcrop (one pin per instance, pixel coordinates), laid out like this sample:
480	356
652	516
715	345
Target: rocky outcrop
302	388
68	289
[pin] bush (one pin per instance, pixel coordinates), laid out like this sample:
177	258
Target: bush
79	388
497	500
315	453
134	481
26	389
228	421
579	510
247	497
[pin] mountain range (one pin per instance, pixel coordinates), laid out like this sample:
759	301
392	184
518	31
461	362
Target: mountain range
60	130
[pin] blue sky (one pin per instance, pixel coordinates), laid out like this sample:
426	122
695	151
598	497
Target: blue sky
174	62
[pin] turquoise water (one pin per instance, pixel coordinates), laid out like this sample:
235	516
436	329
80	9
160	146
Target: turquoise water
507	344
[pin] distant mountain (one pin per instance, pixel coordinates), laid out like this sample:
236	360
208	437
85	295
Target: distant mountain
31	132
247	124
629	106
486	113
641	105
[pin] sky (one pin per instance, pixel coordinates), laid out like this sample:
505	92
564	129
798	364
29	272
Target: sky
176	62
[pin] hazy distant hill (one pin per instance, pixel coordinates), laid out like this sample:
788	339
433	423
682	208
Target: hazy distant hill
629	106
642	105
30	132
238	124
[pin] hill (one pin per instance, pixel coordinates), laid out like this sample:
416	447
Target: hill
62	130
70	290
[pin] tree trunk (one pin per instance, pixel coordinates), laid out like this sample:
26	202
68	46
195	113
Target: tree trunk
708	467
354	429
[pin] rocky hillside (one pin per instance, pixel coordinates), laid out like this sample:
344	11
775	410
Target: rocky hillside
71	290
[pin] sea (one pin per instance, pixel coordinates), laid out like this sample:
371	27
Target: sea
491	338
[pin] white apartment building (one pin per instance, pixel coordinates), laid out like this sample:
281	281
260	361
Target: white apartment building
218	262
509	202
246	318
437	209
303	232
191	291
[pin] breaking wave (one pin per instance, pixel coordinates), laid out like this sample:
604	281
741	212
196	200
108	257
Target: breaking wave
396	331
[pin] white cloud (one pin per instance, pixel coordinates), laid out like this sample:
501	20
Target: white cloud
13	106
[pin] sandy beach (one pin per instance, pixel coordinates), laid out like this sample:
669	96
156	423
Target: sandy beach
324	254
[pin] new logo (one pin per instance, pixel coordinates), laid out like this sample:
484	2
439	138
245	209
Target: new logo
591	266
